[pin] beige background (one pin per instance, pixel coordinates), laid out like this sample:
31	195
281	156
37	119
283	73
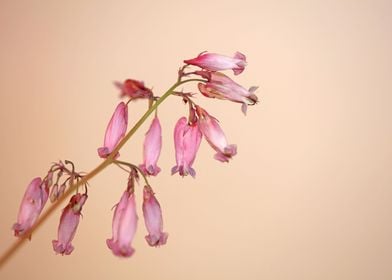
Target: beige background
309	195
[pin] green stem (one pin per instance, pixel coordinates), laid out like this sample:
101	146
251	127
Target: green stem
134	167
109	160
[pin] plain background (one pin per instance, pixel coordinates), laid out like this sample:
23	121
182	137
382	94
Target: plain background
309	195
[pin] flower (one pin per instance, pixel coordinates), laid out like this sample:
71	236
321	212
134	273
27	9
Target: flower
124	226
153	218
115	130
215	136
222	87
152	149
133	89
187	138
69	222
218	62
31	206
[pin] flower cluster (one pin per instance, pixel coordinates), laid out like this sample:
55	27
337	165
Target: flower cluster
52	186
188	134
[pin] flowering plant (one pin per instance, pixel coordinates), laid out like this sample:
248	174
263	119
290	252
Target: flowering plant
63	181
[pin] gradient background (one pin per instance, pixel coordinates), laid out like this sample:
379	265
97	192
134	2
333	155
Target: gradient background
309	195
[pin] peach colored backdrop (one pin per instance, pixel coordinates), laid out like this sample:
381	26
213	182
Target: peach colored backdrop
309	195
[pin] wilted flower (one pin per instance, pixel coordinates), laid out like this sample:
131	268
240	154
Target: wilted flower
187	138
31	206
215	136
222	87
69	222
152	149
218	62
153	218
115	130
133	89
124	226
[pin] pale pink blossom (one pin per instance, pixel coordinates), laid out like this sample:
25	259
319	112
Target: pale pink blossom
187	138
69	222
222	87
124	226
153	218
115	130
215	136
31	206
133	89
152	149
218	62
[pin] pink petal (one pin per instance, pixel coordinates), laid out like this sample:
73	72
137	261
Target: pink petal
124	226
115	130
153	218
152	149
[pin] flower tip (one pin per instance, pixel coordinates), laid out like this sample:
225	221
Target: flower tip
18	230
174	170
122	252
240	56
238	70
60	249
150	170
155	241
244	108
103	152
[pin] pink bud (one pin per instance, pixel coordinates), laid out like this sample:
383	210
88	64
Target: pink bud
115	130
222	87
218	62
215	136
69	222
133	89
187	138
31	206
152	149
153	218
124	226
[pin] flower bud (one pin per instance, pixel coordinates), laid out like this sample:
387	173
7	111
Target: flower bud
187	138
31	206
218	62
133	89
152	149
124	226
215	136
153	219
115	130
69	222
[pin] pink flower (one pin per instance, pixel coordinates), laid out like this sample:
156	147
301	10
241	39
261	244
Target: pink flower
153	218
187	138
69	222
115	130
222	87
152	149
124	226
31	206
218	62
133	89
215	136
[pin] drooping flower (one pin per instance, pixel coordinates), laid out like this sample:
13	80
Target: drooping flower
69	222
115	130
124	226
215	136
152	149
31	206
187	138
133	89
222	87
218	62
153	218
